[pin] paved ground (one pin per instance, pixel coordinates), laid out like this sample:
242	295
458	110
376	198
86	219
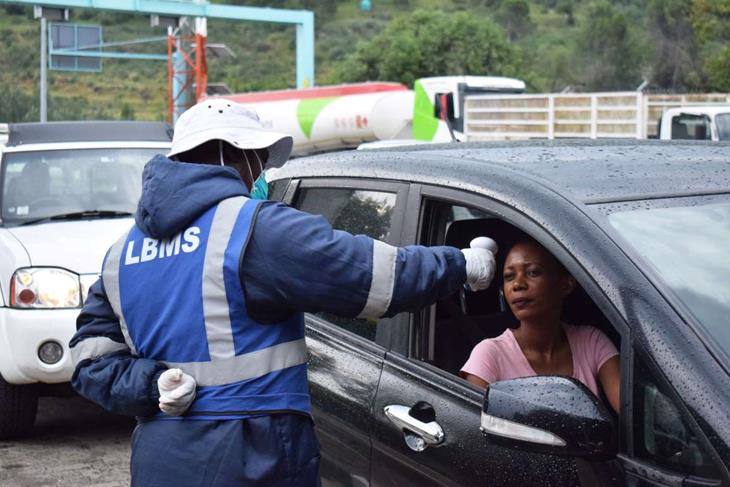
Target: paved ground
74	443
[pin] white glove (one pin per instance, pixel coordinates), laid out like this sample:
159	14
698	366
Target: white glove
480	263
177	391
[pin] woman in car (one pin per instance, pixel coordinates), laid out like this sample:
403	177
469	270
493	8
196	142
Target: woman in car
535	286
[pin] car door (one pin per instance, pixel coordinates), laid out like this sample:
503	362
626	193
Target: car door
420	381
346	354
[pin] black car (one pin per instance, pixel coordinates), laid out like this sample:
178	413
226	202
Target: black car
645	230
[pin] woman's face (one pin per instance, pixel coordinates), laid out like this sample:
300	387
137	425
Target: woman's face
534	284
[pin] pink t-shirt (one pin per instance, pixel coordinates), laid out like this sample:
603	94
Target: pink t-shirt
501	358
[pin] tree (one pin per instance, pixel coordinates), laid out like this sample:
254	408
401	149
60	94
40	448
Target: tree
711	20
674	63
365	217
718	70
610	50
430	43
567	8
514	15
551	64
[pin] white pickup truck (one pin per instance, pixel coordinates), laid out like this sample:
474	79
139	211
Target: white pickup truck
696	123
67	192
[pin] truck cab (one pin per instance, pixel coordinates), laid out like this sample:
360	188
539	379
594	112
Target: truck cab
441	99
696	123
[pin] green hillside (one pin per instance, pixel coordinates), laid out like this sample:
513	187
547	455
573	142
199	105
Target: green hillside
552	44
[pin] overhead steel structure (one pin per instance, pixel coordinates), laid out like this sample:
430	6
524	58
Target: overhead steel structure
201	10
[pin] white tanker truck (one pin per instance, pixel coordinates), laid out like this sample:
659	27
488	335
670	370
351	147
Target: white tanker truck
345	116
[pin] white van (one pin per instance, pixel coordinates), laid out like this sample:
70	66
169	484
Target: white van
68	191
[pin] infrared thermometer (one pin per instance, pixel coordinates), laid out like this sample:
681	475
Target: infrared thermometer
477	243
484	243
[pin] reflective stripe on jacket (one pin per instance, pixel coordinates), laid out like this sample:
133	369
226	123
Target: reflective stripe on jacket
180	301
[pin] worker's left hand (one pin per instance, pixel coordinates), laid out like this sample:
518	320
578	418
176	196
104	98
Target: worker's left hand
177	391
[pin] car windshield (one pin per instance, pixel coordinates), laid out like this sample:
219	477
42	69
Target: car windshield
687	246
48	183
723	126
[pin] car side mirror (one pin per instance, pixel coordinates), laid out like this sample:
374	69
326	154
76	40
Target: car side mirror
548	414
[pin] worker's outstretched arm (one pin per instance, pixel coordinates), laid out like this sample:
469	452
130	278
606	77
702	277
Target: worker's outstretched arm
106	371
297	260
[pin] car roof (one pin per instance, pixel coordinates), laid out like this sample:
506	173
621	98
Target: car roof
587	171
97	131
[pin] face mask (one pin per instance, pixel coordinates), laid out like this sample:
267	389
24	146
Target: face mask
260	189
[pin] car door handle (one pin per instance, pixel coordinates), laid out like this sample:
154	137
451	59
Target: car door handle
431	432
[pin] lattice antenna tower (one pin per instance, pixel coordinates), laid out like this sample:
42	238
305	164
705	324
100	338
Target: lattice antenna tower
187	69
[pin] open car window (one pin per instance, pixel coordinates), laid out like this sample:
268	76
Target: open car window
447	332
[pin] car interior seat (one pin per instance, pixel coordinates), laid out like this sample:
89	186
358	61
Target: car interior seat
466	318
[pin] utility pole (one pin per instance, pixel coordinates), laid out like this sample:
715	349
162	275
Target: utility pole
43	13
44	64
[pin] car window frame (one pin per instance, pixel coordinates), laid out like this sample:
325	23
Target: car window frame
386	328
629	345
499	209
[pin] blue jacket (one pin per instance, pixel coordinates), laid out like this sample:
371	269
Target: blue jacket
293	263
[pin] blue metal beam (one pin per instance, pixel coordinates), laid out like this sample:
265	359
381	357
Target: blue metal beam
118	55
305	52
120	43
303	19
180	8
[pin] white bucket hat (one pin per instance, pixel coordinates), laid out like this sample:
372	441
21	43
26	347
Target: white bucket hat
221	119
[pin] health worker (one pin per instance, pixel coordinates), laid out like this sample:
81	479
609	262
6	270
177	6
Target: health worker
196	324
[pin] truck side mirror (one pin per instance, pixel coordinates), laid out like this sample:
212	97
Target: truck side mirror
548	414
444	106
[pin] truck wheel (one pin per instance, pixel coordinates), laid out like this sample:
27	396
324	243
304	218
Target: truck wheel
18	407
